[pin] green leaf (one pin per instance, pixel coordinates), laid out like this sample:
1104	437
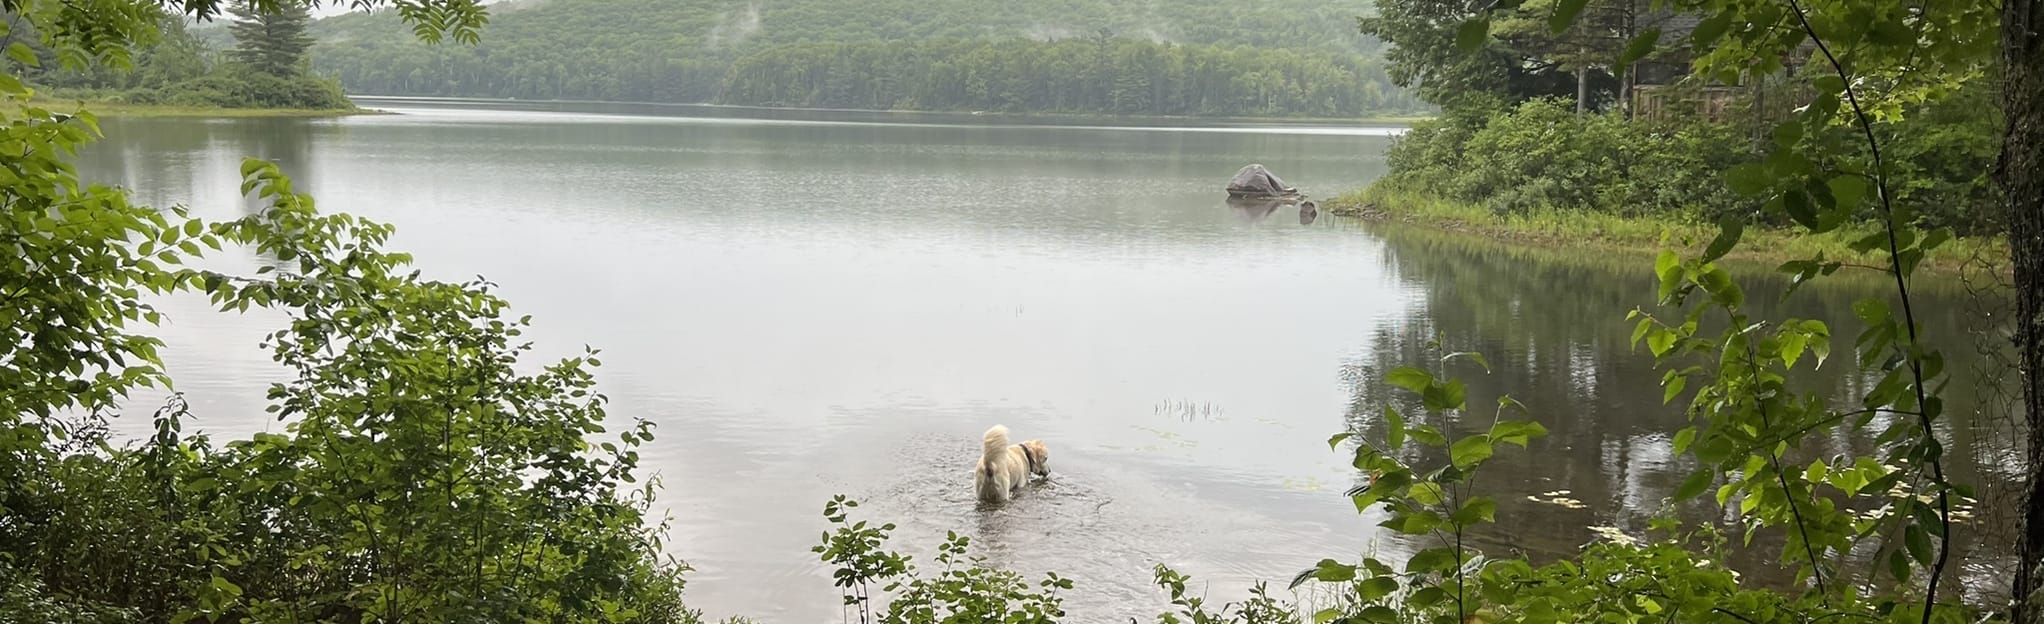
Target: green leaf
1926	517
1410	378
1931	241
1828	83
1684	438
1472	355
1848	190
21	53
1697	483
1453	395
1470	451
1331	571
1668	267
1516	432
1375	588
1428	435
1816	472
1660	342
1640	46
1891	32
1708	31
1793	342
1672	388
1334	443
1565	12
1379	614
1428	493
1918	543
1470	36
1730	228
1426	597
1797	203
1394	428
226	587
1898	565
1415	523
1325	615
1432	560
1721	287
1873	240
1478	509
1788	133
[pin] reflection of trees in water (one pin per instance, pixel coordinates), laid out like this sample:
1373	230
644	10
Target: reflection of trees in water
180	161
286	142
1553	326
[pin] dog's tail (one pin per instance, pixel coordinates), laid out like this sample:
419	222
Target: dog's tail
996	444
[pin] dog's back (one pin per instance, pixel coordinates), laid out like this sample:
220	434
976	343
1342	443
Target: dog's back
993	475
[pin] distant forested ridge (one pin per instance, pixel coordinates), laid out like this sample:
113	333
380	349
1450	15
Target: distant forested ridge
1082	76
1191	57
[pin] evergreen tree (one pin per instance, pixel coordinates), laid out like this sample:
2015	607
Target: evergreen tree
271	42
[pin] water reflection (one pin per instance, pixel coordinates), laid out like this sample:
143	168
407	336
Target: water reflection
1552	325
1256	209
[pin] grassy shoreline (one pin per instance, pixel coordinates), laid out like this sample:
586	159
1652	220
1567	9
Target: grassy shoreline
117	109
1388	201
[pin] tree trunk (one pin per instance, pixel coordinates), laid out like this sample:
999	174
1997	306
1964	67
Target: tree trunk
2020	174
1624	90
1582	90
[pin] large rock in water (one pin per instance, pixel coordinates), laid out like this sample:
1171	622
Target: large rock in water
1256	181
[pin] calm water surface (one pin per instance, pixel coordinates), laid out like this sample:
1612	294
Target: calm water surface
819	303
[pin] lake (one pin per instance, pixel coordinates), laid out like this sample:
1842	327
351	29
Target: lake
813	303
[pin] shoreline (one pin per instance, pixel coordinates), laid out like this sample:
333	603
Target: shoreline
1580	231
1048	116
117	109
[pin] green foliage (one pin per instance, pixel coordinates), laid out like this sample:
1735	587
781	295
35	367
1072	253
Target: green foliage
237	88
271	42
421	473
1461	55
968	55
1541	156
965	591
177	70
1071	76
1260	608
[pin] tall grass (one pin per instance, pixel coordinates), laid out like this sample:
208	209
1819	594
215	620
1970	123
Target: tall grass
1393	199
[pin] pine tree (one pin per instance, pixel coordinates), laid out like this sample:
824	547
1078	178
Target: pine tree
271	42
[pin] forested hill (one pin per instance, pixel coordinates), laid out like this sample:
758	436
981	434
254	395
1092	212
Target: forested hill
1192	57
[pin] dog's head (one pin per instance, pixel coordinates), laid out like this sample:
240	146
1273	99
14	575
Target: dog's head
1039	457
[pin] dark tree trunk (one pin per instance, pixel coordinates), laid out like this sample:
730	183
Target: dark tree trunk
2020	174
1583	89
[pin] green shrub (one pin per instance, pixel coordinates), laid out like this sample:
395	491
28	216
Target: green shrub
1940	159
966	591
1542	156
247	89
421	475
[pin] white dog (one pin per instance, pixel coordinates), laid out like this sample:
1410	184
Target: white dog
1003	467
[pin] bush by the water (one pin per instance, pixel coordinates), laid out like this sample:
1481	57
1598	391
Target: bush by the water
246	89
1540	155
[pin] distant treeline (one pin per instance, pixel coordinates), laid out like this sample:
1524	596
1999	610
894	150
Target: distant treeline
1191	57
1070	76
1092	75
